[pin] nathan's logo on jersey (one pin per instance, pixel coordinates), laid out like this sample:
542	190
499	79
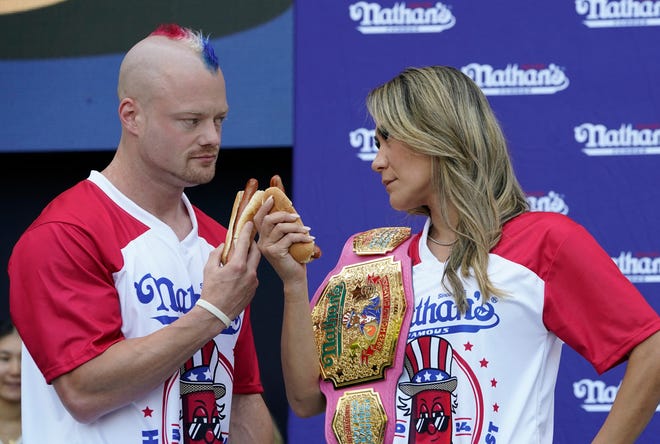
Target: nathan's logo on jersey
640	268
514	79
420	17
618	14
552	202
167	300
628	139
362	139
440	315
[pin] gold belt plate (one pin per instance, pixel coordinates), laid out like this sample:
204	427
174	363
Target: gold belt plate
379	240
359	418
357	320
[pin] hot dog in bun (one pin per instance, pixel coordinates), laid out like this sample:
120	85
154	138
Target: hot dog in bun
246	205
244	209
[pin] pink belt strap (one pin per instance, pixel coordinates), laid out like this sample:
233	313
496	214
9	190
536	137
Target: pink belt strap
353	407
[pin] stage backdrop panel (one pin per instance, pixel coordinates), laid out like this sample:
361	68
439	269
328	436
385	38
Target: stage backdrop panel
575	86
59	65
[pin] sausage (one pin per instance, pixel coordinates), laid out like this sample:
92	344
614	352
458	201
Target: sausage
276	181
251	187
236	220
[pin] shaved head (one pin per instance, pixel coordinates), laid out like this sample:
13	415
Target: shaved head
172	102
160	58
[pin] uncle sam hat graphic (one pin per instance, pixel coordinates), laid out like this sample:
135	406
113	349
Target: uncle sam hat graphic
428	363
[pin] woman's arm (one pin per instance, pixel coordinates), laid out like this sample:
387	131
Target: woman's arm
637	398
300	362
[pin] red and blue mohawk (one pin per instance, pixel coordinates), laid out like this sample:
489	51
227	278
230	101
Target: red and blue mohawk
194	39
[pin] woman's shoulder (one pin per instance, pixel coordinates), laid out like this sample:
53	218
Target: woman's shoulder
540	221
538	231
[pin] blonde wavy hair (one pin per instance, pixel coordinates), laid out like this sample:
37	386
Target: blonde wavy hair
440	112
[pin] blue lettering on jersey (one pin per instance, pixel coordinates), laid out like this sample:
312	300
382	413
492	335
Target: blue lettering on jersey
149	436
176	435
462	427
492	430
170	301
443	309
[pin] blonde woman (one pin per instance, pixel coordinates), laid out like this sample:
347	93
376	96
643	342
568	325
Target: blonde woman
454	334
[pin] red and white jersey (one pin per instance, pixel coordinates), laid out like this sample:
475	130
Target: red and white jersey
95	268
489	375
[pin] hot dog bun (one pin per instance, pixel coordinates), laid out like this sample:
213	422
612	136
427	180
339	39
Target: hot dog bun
302	252
246	205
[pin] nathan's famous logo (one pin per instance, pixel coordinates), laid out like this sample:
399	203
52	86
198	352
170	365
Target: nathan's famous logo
551	202
443	311
331	344
441	377
618	14
168	301
514	79
628	139
596	396
640	268
418	17
362	139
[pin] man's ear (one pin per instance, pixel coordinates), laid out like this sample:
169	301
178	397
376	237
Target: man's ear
128	114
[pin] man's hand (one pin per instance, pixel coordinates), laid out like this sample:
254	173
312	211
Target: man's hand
231	287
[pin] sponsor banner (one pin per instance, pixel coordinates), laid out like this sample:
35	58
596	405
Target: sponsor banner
618	14
579	112
626	140
373	18
639	267
596	395
517	80
551	201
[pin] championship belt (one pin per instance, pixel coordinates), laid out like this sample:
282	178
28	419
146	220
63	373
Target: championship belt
358	314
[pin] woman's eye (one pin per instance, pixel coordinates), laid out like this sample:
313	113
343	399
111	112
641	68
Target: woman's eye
377	143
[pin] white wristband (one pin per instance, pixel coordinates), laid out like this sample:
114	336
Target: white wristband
215	311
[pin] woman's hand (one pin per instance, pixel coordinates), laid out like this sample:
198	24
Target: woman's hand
277	232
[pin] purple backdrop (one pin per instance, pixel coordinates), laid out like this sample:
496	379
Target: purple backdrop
575	86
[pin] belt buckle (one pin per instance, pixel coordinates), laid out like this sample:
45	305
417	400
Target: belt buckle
357	320
359	418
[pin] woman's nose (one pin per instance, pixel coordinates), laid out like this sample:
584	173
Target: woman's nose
379	161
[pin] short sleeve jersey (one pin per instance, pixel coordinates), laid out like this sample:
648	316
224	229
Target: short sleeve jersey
94	269
489	375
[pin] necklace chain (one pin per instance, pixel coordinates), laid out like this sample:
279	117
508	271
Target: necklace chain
442	244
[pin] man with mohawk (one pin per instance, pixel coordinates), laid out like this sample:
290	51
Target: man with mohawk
133	331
